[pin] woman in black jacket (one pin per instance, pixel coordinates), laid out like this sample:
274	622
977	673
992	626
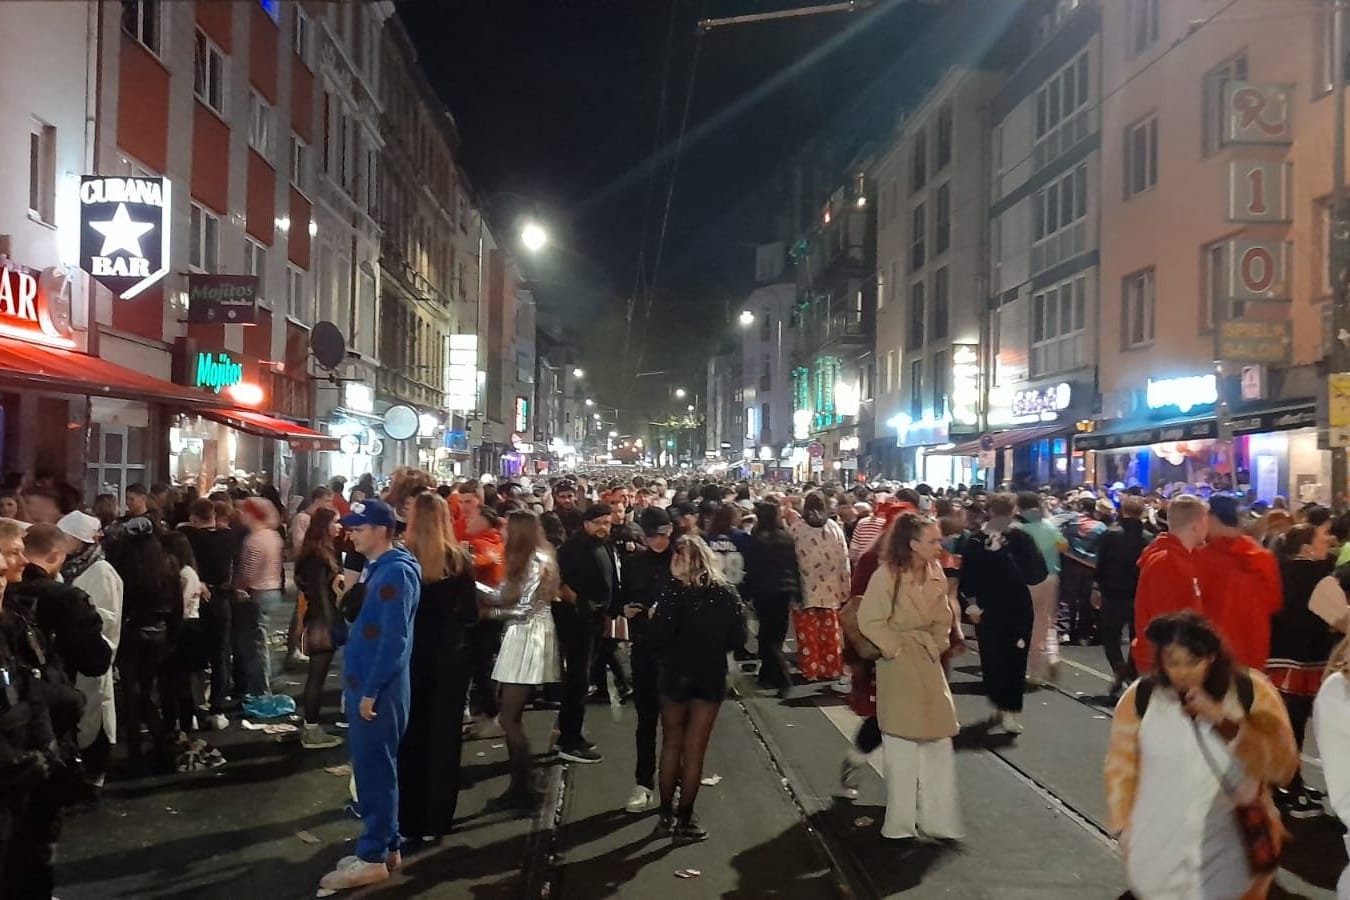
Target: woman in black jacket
693	626
317	571
429	756
773	584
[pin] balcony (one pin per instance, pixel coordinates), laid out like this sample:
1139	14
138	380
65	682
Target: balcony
832	323
843	248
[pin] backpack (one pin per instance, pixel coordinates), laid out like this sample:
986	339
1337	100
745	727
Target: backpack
1242	680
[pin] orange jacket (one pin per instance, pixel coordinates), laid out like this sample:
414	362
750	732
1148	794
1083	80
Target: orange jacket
489	557
1169	581
1240	582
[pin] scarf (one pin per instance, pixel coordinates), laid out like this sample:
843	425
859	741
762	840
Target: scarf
994	531
77	565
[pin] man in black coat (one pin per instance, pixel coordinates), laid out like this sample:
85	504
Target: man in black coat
590	576
1117	576
646	577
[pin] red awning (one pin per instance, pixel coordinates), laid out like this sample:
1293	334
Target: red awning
67	371
1011	438
259	425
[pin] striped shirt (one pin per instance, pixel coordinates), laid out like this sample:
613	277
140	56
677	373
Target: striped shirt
864	536
260	562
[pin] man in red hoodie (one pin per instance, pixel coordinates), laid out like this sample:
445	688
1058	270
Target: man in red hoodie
1240	581
1169	574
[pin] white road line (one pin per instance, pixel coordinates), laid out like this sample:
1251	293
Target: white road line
1088	669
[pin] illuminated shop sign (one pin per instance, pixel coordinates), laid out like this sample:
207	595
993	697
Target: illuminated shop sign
124	232
522	414
216	372
1043	403
965	385
35	307
1183	393
461	373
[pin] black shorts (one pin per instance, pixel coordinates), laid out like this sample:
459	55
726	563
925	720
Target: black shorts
681	688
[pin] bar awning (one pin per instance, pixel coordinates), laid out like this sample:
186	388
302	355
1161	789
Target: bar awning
68	371
1013	437
259	425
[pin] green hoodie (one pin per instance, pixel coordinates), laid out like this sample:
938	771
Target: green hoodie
1047	537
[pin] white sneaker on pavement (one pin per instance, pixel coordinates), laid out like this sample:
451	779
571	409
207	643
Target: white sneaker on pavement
1010	723
641	800
354	872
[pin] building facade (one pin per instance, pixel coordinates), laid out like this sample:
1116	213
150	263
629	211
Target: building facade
1217	128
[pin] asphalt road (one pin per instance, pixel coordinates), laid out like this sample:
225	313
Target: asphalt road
271	821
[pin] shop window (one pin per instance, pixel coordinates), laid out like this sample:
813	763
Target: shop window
1141	156
140	20
204	240
42	173
1211	100
261	125
1137	306
208	78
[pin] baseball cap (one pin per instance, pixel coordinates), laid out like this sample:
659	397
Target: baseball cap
369	512
596	511
655	520
81	526
1224	507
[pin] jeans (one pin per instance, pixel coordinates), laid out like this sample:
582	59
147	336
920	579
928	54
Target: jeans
252	661
216	620
773	625
578	636
1117	617
140	658
1077	618
647	701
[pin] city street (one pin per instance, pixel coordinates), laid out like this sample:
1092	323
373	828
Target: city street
271	822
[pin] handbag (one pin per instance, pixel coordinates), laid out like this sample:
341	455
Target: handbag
857	641
1262	835
616	628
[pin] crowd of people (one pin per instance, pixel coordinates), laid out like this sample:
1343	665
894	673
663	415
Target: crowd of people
455	607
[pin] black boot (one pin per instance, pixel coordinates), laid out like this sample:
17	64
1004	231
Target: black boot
687	827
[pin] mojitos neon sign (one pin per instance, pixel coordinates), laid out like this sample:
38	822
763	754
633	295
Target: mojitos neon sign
217	372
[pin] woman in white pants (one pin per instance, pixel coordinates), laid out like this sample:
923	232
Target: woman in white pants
1331	724
906	614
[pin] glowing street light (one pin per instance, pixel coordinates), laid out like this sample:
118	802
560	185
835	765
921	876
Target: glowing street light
590	402
690	407
747	318
679	393
533	237
578	373
595	416
613	434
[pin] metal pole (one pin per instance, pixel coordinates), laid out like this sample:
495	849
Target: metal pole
1340	245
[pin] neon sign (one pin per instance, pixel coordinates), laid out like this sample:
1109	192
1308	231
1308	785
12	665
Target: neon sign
217	373
1183	393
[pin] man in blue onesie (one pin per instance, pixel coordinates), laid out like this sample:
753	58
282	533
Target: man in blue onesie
375	687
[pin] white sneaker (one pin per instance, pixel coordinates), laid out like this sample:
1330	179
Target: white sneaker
213	722
1010	723
843	686
641	800
351	873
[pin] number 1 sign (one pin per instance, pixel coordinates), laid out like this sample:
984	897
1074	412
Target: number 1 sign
1258	190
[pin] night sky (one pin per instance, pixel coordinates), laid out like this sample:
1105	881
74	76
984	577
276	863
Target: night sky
560	101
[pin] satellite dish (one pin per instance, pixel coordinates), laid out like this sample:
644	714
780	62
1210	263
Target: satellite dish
327	344
400	422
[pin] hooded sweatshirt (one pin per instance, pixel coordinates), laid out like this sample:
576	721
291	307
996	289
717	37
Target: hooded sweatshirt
489	556
1169	581
1240	582
375	658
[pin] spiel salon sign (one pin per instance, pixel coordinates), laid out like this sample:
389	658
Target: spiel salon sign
124	232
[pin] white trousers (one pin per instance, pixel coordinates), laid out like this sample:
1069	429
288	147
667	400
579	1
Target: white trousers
1343	885
1044	631
920	788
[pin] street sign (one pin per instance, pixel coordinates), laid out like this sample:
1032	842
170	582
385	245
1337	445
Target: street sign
223	299
817	464
816	449
1241	341
988	459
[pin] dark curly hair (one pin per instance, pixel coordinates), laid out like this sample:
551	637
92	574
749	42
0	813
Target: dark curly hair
1195	634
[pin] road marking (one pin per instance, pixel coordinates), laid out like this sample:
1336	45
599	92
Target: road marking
1088	669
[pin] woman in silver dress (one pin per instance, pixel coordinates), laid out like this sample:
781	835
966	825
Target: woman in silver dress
529	651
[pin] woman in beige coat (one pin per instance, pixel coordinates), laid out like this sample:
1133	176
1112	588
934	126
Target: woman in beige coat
906	614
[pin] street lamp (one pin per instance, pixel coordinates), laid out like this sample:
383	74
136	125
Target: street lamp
595	416
578	373
613	434
533	237
690	407
747	318
679	393
590	402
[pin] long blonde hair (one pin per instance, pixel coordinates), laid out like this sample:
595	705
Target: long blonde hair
524	538
431	538
700	566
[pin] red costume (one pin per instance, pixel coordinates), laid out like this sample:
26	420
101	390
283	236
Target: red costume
1240	583
1169	581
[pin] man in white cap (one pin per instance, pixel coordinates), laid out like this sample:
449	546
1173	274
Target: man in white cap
86	569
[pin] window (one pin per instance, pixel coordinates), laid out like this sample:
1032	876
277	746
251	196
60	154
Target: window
890	374
1062	112
1141	156
765	428
942	238
916	238
1211	89
1059	229
255	263
939	384
300	33
895	282
299	168
208	74
1137	306
1141	25
329	123
204	237
1059	327
914	337
1216	287
297	303
42	173
765	325
1326	71
766	376
944	137
919	170
140	19
916	390
260	125
941	290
